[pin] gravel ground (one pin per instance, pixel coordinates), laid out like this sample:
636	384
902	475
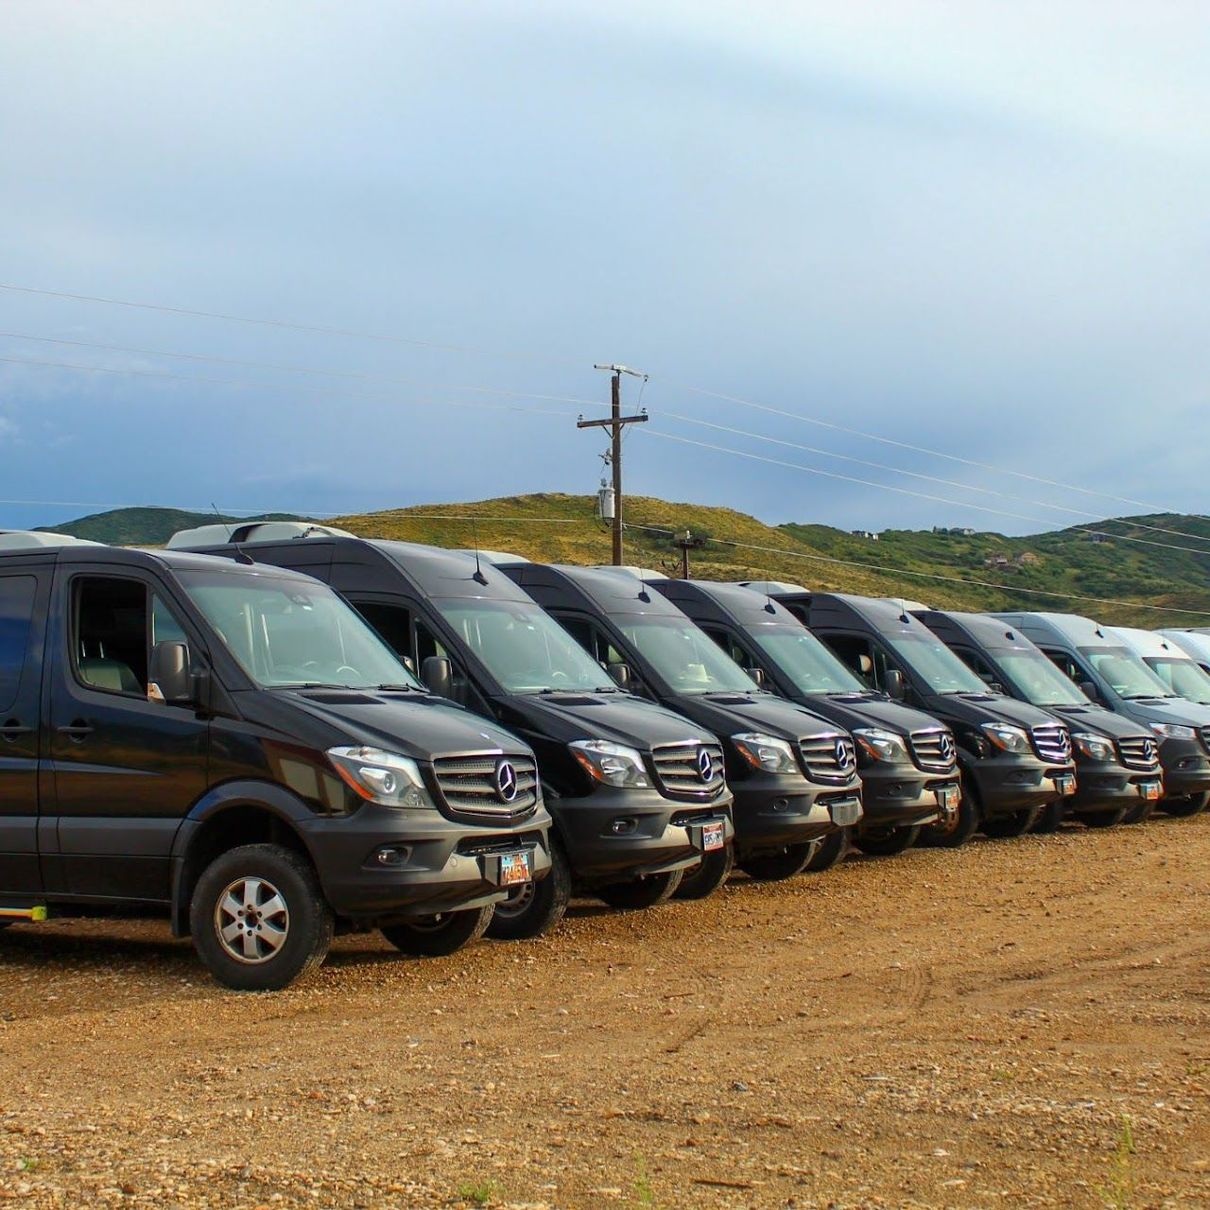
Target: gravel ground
1016	1023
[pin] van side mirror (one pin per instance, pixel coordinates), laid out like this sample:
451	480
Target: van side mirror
438	675
757	674
620	674
1090	691
894	684
169	679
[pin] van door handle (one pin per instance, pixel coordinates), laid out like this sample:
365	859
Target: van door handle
12	729
76	730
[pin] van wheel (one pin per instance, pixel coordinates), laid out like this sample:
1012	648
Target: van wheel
1015	823
536	907
953	831
440	934
774	867
1141	812
829	851
1194	804
259	918
1050	817
1103	819
886	842
703	879
640	893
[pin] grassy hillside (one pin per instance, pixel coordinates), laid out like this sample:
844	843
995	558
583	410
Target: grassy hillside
145	526
560	528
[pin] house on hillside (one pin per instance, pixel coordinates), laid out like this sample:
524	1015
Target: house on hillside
868	534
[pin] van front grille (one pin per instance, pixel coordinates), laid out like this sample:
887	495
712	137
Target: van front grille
934	749
1139	752
828	757
491	785
1053	743
1206	738
679	768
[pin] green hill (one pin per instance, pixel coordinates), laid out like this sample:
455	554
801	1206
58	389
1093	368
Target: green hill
145	526
1061	569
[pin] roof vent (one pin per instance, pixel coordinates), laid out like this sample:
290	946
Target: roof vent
253	531
36	539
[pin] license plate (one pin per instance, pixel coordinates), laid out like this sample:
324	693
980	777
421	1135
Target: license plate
845	813
1065	784
714	836
514	868
948	797
1149	791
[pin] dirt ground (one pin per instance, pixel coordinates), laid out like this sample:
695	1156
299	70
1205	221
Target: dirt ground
1016	1023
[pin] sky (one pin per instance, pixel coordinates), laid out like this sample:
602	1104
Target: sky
967	243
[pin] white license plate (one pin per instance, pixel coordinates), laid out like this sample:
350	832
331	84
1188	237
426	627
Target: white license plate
514	868
714	836
1065	784
845	813
1150	791
948	797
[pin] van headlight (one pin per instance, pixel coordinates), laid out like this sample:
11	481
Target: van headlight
612	764
1007	738
1173	731
1095	747
881	745
383	777
766	752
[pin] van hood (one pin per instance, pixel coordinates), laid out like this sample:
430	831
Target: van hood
1168	710
1099	721
728	714
977	708
850	710
417	725
620	718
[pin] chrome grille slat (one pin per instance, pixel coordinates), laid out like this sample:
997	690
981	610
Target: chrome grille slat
467	784
1052	742
676	768
929	749
1206	738
1135	755
819	756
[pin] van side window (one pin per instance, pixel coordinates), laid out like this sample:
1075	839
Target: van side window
110	632
16	613
1067	666
730	646
592	640
977	664
394	626
427	644
856	654
164	626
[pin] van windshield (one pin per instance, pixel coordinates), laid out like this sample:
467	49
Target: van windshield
287	633
805	660
1037	680
1125	673
1185	678
686	657
523	647
935	664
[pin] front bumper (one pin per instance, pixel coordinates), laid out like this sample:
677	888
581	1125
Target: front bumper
1186	768
443	866
901	796
1008	783
657	833
1105	785
774	811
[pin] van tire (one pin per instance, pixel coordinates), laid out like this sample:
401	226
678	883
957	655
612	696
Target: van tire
1193	804
440	934
953	835
1015	823
886	842
829	851
702	880
536	907
266	872
640	893
1141	812
775	867
1107	818
1050	818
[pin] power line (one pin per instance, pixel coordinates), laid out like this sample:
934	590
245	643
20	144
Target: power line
904	491
897	470
293	369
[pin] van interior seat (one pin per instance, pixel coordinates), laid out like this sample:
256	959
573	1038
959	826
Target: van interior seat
112	675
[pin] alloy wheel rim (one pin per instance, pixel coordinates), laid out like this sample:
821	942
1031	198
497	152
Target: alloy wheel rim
251	920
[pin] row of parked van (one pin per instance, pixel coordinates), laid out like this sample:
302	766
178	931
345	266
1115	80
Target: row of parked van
282	730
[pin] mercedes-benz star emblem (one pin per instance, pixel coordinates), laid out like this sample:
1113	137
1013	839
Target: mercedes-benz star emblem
1065	742
846	756
506	782
705	765
1151	750
948	752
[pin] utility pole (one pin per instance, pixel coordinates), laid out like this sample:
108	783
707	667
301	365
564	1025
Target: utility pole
616	423
688	542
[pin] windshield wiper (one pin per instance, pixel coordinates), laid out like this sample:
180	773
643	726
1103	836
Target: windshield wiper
399	689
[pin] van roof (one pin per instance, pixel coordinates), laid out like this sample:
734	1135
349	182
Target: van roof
440	572
991	633
253	531
38	539
1145	643
1195	642
630	569
605	591
731	602
1070	627
774	587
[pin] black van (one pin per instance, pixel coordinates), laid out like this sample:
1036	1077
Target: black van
635	819
233	745
907	760
1015	759
793	775
1118	772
